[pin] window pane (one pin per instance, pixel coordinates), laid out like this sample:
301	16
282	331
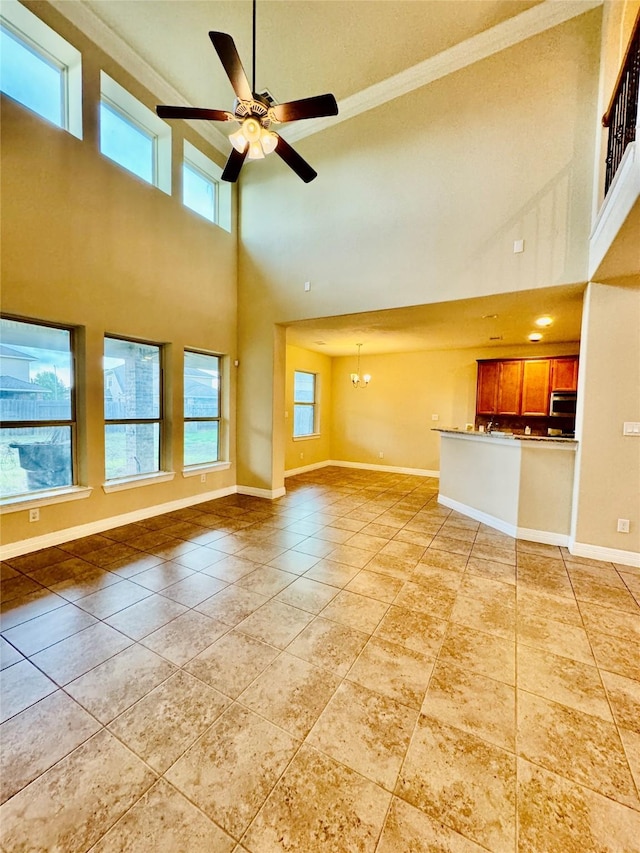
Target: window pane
198	193
304	387
131	380
132	449
35	372
200	442
201	385
34	458
127	144
30	79
303	420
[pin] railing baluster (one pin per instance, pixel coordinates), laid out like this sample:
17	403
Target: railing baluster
620	118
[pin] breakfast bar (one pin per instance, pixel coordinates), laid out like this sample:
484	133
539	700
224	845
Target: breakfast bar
519	484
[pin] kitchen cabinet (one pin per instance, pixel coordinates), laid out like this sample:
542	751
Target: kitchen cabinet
487	394
509	387
564	373
520	387
536	377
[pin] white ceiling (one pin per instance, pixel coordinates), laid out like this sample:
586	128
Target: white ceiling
366	52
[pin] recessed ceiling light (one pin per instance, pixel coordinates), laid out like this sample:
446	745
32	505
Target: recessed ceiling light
534	337
543	322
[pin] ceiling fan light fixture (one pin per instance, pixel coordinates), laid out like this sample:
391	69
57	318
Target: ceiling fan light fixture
238	140
255	151
269	140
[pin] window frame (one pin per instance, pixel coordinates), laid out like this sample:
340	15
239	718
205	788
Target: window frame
134	112
200	466
43	41
35	497
112	483
313	405
200	163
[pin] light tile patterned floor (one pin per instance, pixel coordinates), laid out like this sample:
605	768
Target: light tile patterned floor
349	668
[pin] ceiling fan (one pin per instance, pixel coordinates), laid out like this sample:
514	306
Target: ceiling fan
255	114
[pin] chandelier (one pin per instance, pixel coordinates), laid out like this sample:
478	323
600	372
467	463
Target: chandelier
357	379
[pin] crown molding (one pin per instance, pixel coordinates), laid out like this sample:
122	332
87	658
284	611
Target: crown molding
95	29
544	16
532	22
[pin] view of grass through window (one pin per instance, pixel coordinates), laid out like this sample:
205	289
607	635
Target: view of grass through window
201	408
36	408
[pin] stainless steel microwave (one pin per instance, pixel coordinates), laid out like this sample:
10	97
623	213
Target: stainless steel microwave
562	403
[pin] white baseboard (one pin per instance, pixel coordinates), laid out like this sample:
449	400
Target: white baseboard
292	472
389	469
67	534
339	463
545	537
270	494
607	555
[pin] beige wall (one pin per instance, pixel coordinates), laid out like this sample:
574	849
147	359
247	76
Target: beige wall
608	486
309	451
393	415
419	201
88	245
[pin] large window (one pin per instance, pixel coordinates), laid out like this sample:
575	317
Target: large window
132	408
201	408
304	404
37	409
38	68
133	136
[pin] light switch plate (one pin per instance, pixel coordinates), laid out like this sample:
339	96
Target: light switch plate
631	428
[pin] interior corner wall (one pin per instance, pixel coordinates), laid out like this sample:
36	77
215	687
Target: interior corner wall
316	449
88	245
608	484
398	218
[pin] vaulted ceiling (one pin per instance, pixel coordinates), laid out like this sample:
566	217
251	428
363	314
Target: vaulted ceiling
366	52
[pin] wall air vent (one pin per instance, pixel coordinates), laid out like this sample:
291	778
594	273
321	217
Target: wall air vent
495	338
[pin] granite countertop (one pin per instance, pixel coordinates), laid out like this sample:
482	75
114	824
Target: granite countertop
507	435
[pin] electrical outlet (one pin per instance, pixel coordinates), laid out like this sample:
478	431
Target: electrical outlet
302	456
623	525
381	455
34	514
435	417
203	478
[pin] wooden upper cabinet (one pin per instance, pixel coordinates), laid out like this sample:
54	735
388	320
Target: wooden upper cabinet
564	373
509	387
536	377
487	393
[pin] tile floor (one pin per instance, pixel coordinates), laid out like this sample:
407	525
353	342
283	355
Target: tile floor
349	668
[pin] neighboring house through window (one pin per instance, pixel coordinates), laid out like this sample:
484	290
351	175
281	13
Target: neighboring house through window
37	408
132	408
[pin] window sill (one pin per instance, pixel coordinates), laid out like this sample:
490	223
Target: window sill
306	437
140	480
25	502
210	467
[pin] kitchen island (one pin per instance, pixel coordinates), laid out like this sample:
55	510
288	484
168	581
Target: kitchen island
521	485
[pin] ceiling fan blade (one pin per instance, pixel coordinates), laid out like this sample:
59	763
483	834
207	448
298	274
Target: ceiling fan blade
191	112
319	105
295	161
226	50
234	164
